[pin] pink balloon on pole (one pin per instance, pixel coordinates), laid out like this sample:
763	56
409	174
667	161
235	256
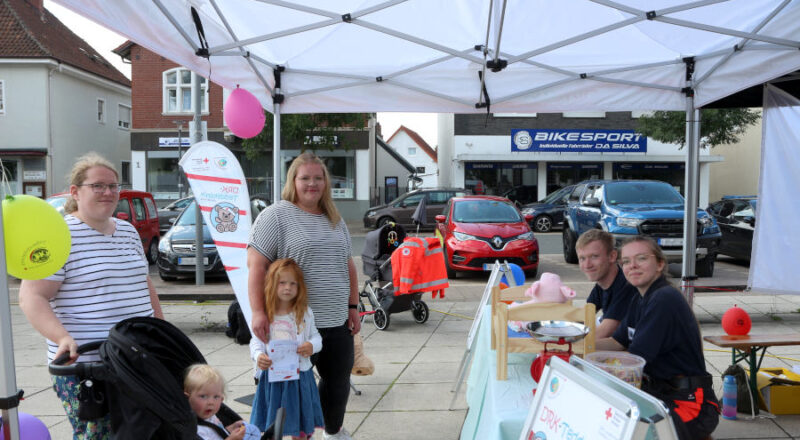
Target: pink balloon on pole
243	114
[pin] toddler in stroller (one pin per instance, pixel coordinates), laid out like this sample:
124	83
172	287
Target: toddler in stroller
386	299
139	381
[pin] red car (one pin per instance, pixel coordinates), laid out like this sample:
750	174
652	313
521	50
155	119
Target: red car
136	207
478	230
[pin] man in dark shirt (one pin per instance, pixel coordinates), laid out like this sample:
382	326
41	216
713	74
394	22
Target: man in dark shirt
612	294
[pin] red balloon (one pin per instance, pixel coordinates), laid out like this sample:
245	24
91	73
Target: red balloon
736	321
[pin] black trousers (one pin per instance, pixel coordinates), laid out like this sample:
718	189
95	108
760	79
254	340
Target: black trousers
334	364
694	409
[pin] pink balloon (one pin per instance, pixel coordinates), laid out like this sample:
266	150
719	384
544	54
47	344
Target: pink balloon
243	114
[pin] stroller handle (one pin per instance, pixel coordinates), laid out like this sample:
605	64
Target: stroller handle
95	370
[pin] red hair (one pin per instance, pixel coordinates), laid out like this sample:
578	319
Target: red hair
285	265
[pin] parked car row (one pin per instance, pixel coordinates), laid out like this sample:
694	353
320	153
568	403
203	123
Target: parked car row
177	250
136	207
736	217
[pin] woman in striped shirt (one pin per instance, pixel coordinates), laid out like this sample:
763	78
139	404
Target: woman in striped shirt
104	281
306	227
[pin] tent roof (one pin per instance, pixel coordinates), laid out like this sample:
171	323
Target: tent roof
432	56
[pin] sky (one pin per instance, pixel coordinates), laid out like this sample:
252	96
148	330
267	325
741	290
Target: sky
104	41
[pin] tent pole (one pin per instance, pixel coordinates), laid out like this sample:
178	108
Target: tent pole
691	184
276	150
197	136
8	378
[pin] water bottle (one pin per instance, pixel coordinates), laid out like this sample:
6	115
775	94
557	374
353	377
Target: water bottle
729	397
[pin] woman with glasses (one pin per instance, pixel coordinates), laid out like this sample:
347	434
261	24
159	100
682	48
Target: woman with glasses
104	281
661	327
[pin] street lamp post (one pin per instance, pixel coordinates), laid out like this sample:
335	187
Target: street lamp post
180	179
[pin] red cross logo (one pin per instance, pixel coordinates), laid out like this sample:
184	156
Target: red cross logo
608	413
205	160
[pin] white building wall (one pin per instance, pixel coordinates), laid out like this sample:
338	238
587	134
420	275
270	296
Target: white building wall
24	121
740	172
76	130
401	143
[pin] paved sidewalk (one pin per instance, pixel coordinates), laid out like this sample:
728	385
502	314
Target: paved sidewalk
409	394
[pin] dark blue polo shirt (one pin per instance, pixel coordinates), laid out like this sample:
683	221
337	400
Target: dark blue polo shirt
661	328
614	301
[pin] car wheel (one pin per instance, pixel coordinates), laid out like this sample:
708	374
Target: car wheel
568	239
543	223
531	274
152	251
165	277
705	267
451	273
383	221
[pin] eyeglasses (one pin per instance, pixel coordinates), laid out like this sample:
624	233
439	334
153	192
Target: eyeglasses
639	259
100	188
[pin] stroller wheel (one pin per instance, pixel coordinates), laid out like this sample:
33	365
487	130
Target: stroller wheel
420	311
380	318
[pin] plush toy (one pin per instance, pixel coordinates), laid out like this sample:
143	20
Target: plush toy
362	365
548	289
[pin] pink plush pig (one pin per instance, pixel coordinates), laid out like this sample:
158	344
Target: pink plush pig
548	289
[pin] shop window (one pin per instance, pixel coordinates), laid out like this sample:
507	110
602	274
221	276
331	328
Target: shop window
178	86
101	111
670	172
561	174
124	117
125	172
499	178
162	179
2	97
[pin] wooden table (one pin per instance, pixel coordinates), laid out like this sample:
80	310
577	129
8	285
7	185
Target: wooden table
747	347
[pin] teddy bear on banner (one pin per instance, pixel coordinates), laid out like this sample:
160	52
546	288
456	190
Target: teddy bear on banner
549	289
227	215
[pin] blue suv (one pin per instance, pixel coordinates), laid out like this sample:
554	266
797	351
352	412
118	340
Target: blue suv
638	207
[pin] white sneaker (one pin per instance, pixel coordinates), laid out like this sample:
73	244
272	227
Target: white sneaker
341	435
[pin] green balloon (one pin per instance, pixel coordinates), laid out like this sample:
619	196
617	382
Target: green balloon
37	238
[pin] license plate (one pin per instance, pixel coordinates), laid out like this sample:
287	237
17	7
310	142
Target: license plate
190	261
670	242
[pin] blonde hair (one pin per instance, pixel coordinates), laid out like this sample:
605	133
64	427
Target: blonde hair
78	175
271	289
289	192
596	235
199	375
655	249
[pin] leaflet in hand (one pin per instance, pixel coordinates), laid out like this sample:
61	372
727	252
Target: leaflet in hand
285	360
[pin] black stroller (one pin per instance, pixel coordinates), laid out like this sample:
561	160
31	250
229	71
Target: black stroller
378	247
139	381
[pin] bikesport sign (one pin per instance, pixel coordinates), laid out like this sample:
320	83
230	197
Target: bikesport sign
580	141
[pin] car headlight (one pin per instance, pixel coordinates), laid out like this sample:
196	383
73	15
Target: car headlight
629	222
527	211
460	236
163	246
371	213
707	222
525	236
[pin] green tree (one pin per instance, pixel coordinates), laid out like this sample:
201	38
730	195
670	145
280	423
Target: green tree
717	126
322	128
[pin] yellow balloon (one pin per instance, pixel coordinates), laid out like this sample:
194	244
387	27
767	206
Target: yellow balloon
37	238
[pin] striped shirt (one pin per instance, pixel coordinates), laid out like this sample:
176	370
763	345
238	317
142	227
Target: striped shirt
103	282
283	230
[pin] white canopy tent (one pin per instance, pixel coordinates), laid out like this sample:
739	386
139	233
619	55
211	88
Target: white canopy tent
467	56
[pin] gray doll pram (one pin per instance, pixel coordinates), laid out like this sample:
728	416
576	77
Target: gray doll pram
376	260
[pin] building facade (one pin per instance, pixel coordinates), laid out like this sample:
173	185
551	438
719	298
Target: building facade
409	144
545	152
59	99
163	107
